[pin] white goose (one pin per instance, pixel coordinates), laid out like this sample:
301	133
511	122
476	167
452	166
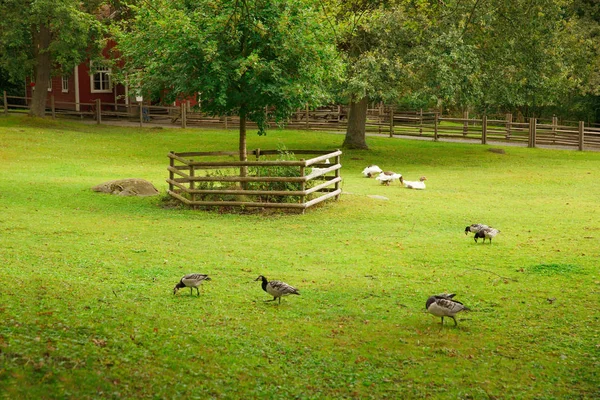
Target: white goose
371	171
388	177
442	305
420	184
192	281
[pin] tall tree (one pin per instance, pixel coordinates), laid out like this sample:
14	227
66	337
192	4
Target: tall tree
43	37
258	59
378	41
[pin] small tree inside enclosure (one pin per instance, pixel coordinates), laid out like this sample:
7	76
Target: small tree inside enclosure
276	179
259	60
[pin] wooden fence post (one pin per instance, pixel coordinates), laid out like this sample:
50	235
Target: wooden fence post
98	111
532	132
141	107
52	108
581	135
5	103
435	127
303	183
421	117
307	117
192	185
391	121
171	173
484	129
465	123
554	128
508	125
337	174
183	115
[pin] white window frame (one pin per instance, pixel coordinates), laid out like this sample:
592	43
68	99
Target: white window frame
100	71
50	84
65	84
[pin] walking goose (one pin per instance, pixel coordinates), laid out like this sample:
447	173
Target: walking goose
277	289
486	233
474	228
420	184
388	177
371	171
443	305
192	281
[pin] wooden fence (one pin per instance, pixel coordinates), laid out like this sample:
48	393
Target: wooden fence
380	120
219	181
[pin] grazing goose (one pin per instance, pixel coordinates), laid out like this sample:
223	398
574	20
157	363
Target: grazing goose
420	184
277	289
442	305
192	281
486	233
388	177
371	171
475	228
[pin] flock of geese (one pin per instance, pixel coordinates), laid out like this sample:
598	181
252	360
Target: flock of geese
440	305
387	177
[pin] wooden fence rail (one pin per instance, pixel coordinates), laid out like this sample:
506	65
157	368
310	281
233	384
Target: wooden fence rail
221	182
382	120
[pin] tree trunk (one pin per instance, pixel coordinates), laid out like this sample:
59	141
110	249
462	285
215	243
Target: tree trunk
43	64
357	120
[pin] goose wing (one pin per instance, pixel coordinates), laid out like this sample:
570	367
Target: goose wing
278	288
445	307
192	279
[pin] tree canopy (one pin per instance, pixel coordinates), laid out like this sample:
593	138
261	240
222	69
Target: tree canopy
257	59
46	37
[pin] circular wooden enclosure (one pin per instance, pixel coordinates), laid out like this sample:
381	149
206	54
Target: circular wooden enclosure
207	179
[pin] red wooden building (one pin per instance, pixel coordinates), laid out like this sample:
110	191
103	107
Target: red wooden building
78	89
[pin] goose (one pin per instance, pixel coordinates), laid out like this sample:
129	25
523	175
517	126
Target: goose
486	233
388	177
277	289
371	171
192	281
475	228
443	305
420	184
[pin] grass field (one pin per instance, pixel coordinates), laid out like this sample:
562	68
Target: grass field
87	309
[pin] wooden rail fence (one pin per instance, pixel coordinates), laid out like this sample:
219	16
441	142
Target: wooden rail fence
380	120
217	181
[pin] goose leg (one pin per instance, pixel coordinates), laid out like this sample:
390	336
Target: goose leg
442	320
198	291
455	324
191	291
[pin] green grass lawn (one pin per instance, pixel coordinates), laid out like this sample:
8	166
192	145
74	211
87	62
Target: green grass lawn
87	309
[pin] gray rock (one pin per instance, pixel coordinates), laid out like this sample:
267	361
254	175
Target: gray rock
127	187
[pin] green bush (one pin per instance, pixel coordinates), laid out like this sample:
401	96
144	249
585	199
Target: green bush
278	171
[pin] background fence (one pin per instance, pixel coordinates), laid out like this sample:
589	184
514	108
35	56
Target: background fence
380	120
